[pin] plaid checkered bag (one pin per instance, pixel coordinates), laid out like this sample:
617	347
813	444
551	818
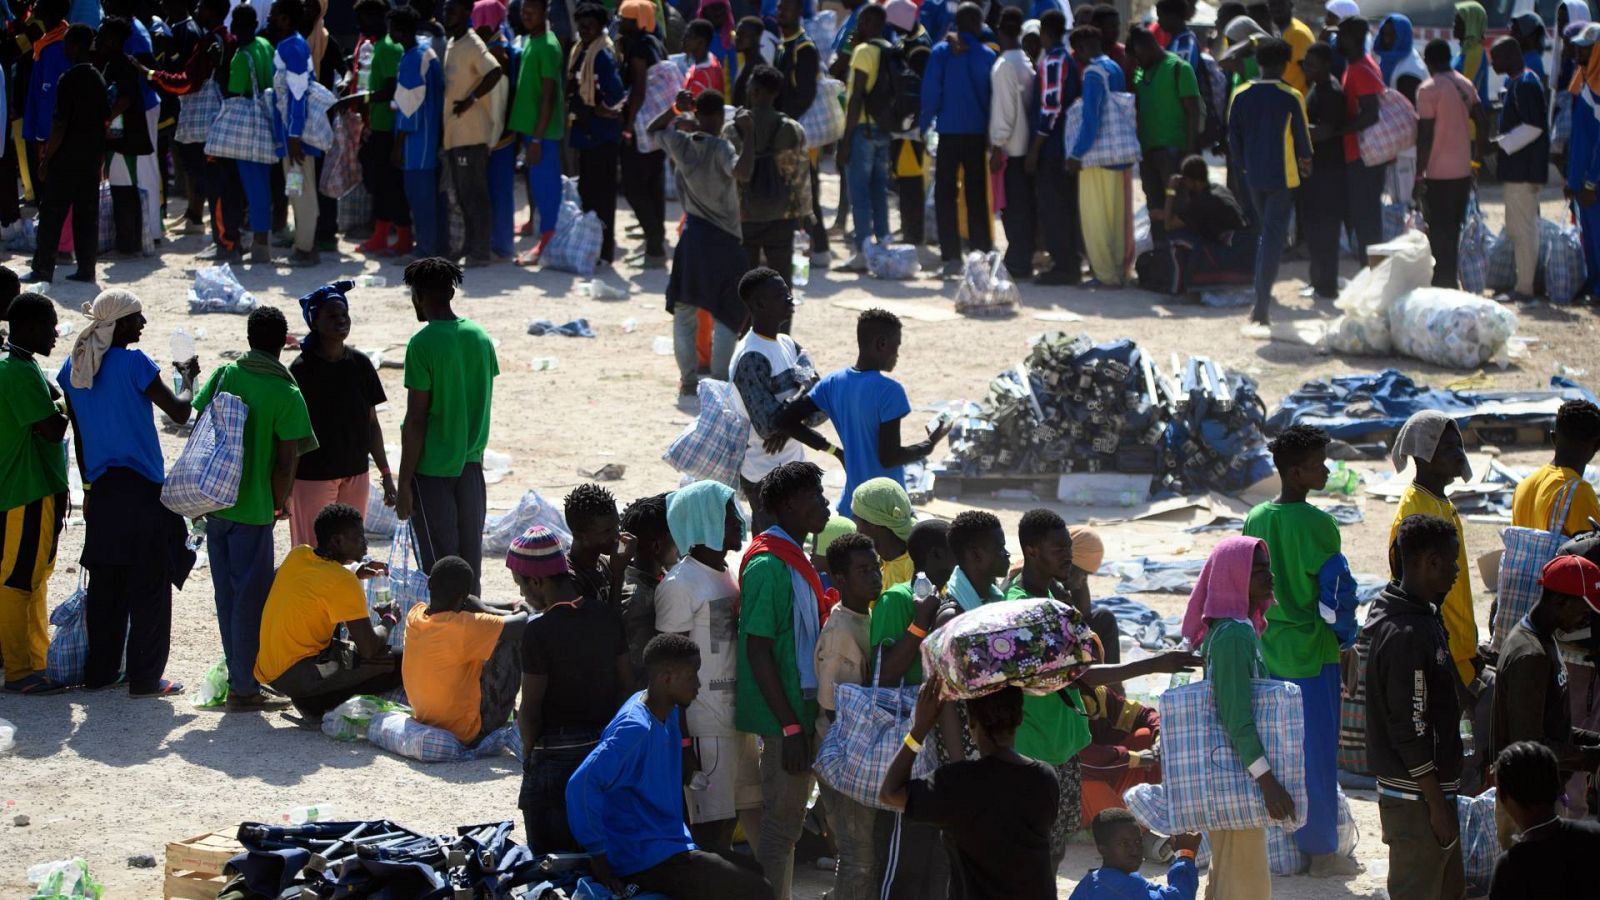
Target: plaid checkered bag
1352	755
661	85
1148	803
196	113
712	447
1561	261
341	169
355	208
398	733
1501	272
1284	856
823	120
108	223
1472	257
1527	551
318	131
1480	844
246	129
1117	141
205	477
867	733
576	244
69	646
1395	130
1207	786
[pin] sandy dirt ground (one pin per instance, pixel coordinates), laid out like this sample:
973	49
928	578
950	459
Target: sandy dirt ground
106	778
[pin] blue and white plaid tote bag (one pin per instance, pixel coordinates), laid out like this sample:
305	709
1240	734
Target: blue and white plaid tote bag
1207	786
712	447
1117	141
196	112
576	245
69	646
206	475
1527	551
869	727
246	129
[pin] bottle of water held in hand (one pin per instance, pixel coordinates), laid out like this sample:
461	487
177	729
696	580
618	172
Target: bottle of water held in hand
922	587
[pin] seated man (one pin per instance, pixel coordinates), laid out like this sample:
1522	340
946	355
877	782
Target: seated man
625	801
1123	750
463	663
312	594
1211	243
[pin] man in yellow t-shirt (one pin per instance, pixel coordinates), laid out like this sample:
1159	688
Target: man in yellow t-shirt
312	594
1432	442
462	662
1298	36
1577	437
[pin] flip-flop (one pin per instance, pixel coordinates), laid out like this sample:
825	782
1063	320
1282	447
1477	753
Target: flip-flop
35	686
165	689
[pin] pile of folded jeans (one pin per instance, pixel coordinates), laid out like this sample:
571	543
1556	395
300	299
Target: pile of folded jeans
381	859
1077	406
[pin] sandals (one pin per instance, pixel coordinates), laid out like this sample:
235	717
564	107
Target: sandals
35	685
164	689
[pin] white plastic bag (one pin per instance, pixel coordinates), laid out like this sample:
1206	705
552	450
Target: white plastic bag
532	509
1364	328
894	261
1451	328
986	288
216	290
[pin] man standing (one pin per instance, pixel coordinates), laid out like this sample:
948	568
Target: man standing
1169	119
1322	194
799	62
770	208
69	163
378	173
449	377
419	113
207	64
1447	110
594	85
1056	86
955	102
475	100
292	77
1299	38
277	431
1266	120
643	173
33	488
1523	160
1009	137
539	112
49	64
864	151
1105	208
1362	84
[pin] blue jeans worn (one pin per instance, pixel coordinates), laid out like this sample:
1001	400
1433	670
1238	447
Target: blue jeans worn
867	176
544	184
1272	209
241	575
543	799
503	200
685	328
422	194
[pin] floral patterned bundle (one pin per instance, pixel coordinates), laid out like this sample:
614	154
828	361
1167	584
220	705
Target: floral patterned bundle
1040	646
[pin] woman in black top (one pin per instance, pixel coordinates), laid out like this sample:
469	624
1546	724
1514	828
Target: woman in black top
342	392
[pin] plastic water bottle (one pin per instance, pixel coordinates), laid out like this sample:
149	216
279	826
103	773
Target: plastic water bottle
381	590
922	586
317	812
542	363
182	346
364	66
1468	746
802	269
294	183
372	281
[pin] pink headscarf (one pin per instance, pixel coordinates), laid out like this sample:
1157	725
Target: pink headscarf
488	14
1223	591
727	20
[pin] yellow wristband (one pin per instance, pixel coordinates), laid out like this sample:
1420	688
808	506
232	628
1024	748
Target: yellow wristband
913	743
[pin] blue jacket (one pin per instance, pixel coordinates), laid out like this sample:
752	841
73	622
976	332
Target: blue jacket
956	89
292	63
938	17
1583	145
1106	883
419	107
39	109
1261	113
1056	85
1336	598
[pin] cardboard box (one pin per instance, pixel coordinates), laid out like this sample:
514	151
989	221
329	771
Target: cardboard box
194	866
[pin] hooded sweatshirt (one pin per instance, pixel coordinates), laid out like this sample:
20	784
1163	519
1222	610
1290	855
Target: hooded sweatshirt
1413	717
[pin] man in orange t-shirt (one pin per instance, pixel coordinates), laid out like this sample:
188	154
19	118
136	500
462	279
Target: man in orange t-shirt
462	663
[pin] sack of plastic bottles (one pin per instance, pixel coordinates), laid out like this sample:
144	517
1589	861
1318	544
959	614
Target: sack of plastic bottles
1451	328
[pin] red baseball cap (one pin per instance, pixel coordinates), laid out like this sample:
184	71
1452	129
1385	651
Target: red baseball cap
1575	576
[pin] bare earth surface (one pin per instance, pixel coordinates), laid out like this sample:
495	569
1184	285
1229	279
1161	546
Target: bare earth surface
105	777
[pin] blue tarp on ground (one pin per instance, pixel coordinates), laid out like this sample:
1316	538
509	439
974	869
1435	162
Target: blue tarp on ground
1351	407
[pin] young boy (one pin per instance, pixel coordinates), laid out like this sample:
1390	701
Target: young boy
1413	716
538	111
462	666
843	658
705	70
1433	442
866	407
575	673
33	492
450	369
598	556
1049	569
1576	437
1121	844
698	599
900	620
1555	856
768	369
625	799
312	594
654	554
780	615
1300	646
881	510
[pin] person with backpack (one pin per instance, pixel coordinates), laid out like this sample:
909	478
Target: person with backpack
956	94
864	152
800	64
775	194
908	154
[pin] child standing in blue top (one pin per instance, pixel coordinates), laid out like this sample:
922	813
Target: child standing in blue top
866	407
1121	845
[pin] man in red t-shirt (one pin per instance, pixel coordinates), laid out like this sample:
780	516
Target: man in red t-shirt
1362	85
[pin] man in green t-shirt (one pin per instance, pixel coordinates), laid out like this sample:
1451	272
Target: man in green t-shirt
1298	645
1170	116
449	377
277	429
538	111
33	493
775	692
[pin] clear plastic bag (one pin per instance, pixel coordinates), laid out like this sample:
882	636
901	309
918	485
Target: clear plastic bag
895	261
532	509
986	288
216	290
1451	328
349	720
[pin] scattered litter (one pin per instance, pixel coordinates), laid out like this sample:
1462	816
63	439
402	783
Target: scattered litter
64	879
64	328
1144	575
496	466
1570	371
542	363
216	290
630	325
607	472
376	281
661	345
598	289
8	736
1345	513
141	861
574	328
895	262
1342	480
213	690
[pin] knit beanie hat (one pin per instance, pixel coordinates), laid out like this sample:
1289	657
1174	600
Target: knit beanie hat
537	554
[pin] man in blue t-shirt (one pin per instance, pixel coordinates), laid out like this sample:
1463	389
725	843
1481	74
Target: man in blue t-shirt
866	407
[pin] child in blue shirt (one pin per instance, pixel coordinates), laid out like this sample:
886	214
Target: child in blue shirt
866	407
1121	844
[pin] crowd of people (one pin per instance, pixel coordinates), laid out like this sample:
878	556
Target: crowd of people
668	695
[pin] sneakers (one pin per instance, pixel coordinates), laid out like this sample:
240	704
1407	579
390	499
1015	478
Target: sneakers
258	702
1058	277
856	263
821	259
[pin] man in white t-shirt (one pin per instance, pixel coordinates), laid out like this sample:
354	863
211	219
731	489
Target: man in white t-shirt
769	369
697	599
